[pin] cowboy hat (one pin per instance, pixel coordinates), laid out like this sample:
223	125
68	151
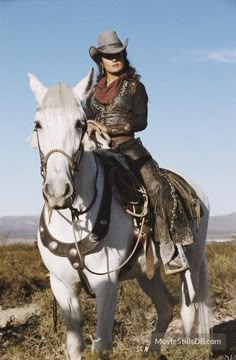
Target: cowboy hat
108	43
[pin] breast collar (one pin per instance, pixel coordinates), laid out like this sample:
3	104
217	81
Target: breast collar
87	244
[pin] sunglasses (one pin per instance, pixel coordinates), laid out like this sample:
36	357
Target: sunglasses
119	56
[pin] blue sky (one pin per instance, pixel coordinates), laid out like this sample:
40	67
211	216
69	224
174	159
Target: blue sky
186	53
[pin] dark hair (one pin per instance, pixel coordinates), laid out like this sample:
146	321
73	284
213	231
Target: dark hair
130	70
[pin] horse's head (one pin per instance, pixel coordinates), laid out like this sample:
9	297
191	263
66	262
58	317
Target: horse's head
60	124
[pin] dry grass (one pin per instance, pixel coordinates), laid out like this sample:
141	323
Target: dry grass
222	275
23	279
21	274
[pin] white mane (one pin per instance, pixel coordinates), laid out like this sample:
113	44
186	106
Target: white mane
59	95
61	100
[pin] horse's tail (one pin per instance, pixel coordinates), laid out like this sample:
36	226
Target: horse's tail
202	302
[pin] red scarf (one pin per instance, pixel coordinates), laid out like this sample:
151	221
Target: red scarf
105	94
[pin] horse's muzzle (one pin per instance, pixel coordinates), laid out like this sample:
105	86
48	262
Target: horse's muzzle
60	197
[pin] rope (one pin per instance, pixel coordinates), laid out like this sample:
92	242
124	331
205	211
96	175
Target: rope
141	190
83	266
125	262
145	207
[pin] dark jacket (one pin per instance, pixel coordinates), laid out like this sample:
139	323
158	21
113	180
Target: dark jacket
125	115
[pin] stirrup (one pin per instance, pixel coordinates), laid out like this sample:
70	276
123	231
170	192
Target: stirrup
183	262
170	271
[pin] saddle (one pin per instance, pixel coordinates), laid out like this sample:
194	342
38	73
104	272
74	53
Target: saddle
188	195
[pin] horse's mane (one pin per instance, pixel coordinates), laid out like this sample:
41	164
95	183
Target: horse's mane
60	95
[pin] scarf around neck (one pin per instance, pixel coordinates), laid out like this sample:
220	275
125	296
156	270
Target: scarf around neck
105	94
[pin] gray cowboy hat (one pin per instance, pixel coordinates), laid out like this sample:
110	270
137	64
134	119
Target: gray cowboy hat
108	43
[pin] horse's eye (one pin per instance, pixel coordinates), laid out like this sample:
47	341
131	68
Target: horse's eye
37	125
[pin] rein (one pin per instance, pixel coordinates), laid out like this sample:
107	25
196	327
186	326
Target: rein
75	213
121	265
73	162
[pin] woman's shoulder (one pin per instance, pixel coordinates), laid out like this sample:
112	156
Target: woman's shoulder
137	87
136	84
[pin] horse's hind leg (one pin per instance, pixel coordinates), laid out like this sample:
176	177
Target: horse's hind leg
68	300
164	304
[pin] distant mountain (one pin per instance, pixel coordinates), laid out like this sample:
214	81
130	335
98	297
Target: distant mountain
25	227
223	226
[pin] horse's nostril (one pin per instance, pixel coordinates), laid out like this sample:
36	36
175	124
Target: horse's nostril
67	190
47	189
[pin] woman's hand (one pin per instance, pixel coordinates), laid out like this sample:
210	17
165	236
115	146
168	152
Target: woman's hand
93	126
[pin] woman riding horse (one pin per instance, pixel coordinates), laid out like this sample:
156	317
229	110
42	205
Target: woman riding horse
118	107
75	182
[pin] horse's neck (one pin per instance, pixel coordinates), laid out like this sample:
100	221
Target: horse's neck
86	181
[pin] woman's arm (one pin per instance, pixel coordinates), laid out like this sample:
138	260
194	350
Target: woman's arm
137	120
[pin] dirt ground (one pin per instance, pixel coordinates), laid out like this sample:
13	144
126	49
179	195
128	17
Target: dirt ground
18	319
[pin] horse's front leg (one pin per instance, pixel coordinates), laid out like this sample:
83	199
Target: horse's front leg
68	300
106	291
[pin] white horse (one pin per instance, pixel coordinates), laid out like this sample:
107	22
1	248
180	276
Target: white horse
72	174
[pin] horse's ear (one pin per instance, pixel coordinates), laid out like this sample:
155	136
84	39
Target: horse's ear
83	89
37	87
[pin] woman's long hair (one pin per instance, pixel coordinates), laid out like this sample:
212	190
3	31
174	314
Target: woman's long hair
130	70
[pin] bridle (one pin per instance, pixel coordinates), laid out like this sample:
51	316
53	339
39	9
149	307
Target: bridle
73	166
73	161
